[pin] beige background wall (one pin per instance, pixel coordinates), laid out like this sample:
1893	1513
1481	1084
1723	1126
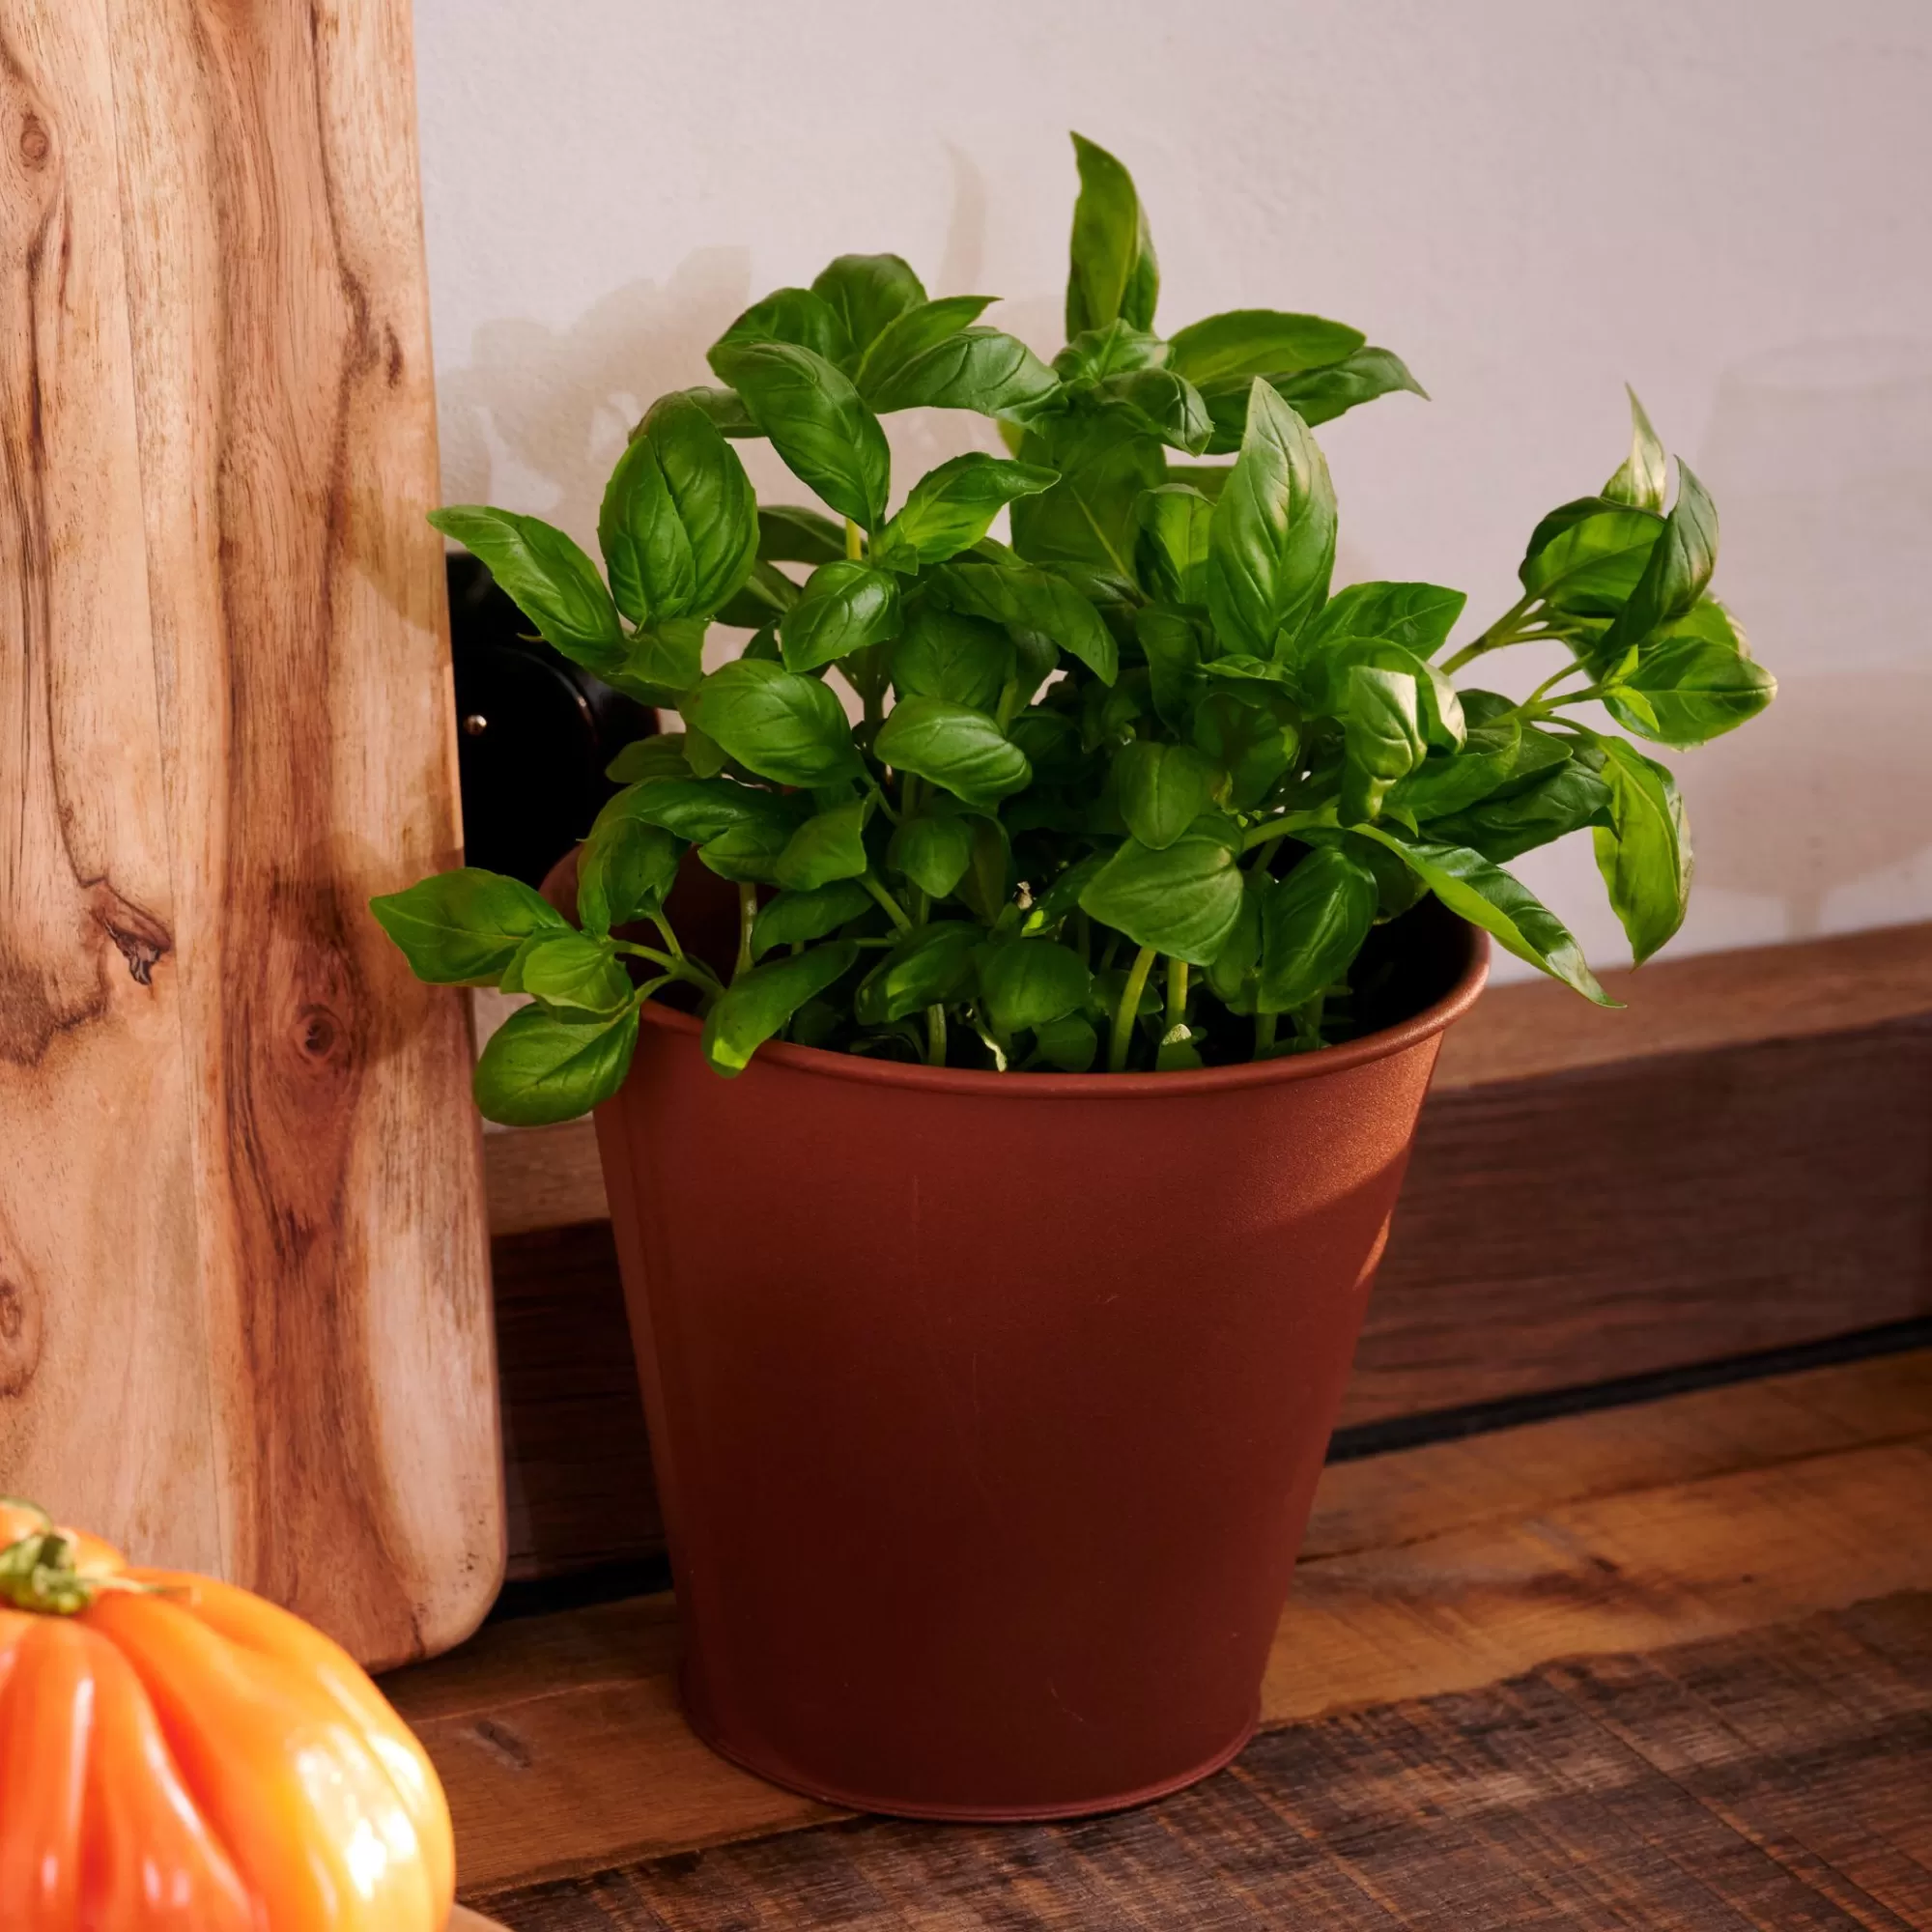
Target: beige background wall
1722	201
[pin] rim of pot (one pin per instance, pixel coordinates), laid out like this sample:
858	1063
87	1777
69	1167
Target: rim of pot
1378	1046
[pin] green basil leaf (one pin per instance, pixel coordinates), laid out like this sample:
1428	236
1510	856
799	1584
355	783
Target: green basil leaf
1644	851
661	661
1068	1045
679	521
789	533
1031	982
1233	975
463	928
1210	478
1418	616
1244	343
762	599
1587	556
545	575
908	337
1251	733
626	867
827	439
758	1004
950	508
844	607
725	408
1312	924
1105	462
1183	899
700	810
1328	671
1644	475
705	756
783	726
801	317
1171	643
932	852
1695	682
983	369
791	919
1095	354
960	748
536	1068
987	885
661	755
1486	896
927	968
1382	728
747	853
1027	597
828	846
1562	800
1273	542
1315	395
866	293
1674	573
943	654
1441	785
1173	551
573	970
1112	271
1163	790
1163	404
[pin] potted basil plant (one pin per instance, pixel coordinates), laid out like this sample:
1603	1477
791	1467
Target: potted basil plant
997	1204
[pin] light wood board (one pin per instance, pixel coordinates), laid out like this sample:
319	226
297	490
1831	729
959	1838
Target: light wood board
1430	1572
244	1317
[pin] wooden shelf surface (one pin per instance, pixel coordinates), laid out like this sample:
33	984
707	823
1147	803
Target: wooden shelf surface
1432	1571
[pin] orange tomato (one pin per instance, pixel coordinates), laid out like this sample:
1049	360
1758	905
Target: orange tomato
178	1755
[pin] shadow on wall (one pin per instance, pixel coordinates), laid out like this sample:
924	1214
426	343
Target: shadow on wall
537	417
1820	457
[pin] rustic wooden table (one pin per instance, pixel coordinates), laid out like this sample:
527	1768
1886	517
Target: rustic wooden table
1661	1665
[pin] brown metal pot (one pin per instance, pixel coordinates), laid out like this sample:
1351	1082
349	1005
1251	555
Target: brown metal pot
987	1410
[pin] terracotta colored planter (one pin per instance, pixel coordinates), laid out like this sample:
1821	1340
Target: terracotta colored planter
987	1410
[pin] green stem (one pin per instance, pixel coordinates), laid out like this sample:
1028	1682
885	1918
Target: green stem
748	911
935	1035
1128	1010
1265	1024
1176	993
670	938
855	542
893	910
649	953
1502	632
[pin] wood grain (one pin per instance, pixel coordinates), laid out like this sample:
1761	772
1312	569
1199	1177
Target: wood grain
1769	1778
242	1236
1433	1570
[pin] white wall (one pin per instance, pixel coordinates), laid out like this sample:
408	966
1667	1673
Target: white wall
1723	201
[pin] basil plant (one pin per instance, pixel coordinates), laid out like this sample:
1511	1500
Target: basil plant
1128	792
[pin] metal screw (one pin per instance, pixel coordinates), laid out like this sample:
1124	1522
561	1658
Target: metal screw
475	724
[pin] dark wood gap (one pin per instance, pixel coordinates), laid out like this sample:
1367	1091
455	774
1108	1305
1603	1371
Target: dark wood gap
1480	1418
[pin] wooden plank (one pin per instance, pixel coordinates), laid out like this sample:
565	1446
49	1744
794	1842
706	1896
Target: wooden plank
1769	1778
1765	1195
1436	1570
246	1159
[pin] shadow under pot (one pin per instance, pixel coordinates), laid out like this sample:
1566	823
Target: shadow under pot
987	1410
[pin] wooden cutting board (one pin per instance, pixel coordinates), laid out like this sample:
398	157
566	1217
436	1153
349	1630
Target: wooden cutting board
245	1316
